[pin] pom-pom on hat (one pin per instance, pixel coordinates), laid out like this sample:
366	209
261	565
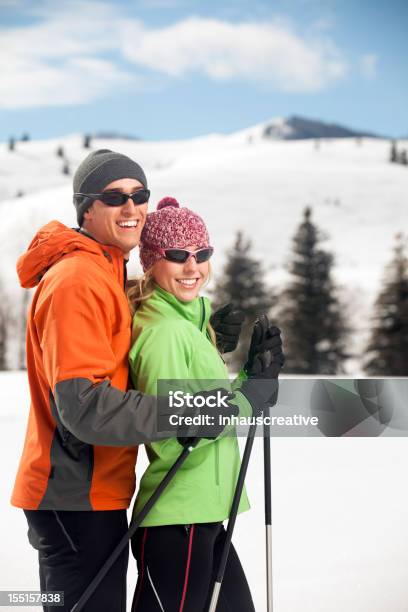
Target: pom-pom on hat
170	226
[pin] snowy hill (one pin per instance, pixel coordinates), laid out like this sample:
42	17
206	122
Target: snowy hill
260	186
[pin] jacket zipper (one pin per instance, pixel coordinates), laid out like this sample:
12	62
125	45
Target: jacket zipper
124	274
65	436
217	463
216	449
90	463
202	313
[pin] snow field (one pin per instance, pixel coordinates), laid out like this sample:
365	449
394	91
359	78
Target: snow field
340	534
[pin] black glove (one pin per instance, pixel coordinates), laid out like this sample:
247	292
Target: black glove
265	356
187	433
227	324
265	361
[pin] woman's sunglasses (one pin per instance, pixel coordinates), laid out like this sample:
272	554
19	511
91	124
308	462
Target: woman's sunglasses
115	198
182	255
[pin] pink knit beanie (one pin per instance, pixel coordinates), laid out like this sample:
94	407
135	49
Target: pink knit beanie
170	226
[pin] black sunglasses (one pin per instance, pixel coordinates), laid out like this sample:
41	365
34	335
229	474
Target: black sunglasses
182	255
115	198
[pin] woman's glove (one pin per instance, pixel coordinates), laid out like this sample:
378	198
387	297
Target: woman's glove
265	361
210	427
227	324
265	356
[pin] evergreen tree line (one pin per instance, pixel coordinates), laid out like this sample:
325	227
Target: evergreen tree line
398	156
12	140
308	309
60	152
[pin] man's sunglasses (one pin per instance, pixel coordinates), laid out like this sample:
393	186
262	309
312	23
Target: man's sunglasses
182	255
114	198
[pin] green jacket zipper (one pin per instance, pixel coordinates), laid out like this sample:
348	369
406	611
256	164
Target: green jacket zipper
217	463
202	313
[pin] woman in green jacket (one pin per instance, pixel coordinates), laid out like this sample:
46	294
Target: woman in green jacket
179	542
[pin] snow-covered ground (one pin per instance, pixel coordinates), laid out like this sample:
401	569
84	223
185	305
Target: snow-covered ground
340	530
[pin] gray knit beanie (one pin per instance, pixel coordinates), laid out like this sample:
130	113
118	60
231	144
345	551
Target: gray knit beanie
99	169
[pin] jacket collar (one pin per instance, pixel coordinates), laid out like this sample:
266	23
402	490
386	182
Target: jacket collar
196	311
52	242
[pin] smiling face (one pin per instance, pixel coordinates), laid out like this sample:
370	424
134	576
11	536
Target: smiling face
118	226
185	280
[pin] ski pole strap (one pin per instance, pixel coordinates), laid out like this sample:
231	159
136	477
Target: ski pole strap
133	528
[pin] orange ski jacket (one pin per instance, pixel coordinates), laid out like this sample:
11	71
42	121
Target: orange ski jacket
84	425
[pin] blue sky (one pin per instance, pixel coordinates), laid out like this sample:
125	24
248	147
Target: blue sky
181	68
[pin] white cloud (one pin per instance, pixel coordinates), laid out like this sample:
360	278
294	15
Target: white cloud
75	81
57	60
89	29
267	53
74	54
368	65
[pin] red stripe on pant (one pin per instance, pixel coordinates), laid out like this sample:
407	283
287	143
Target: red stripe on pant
190	546
136	600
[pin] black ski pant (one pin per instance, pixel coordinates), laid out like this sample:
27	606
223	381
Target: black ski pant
177	567
72	546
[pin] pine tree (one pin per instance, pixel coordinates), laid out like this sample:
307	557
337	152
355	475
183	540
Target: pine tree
87	141
60	151
242	283
66	169
393	152
388	345
403	159
310	314
11	144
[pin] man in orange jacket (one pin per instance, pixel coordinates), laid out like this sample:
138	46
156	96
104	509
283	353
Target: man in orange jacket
76	475
84	424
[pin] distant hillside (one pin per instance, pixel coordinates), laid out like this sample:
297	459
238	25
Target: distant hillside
297	128
301	128
106	135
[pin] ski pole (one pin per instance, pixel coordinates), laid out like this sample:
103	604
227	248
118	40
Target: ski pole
268	510
133	527
232	518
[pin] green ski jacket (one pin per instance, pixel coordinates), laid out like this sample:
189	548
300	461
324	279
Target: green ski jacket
170	341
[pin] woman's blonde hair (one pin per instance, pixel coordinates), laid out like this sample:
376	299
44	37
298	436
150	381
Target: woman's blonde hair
141	288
